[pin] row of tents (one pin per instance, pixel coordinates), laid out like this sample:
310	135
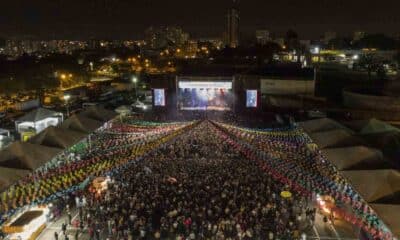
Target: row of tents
367	154
20	158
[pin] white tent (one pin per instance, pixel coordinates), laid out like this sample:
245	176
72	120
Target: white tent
357	157
321	125
374	185
27	156
335	138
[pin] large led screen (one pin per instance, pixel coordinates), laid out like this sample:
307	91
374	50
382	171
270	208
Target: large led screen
159	97
205	95
251	98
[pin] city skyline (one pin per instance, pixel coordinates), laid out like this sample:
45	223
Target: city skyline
128	20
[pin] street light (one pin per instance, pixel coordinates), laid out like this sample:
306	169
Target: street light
66	99
135	80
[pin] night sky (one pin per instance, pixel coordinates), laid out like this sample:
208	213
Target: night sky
127	19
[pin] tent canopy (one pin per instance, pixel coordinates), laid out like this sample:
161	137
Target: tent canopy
98	113
335	138
388	143
81	124
27	156
376	126
358	157
10	175
321	125
57	137
124	109
37	115
390	215
374	185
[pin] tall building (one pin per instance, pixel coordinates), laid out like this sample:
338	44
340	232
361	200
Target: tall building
262	37
232	33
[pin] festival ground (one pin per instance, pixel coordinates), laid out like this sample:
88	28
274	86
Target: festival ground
197	180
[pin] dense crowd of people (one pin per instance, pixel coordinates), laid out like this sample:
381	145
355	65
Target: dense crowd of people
197	188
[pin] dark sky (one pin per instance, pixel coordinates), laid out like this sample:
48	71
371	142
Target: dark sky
128	18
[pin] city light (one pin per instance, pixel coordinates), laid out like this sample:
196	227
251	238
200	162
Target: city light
63	76
67	98
134	79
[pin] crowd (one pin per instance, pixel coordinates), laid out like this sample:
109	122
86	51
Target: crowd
197	188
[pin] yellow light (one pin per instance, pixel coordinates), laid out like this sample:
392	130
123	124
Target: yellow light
70	75
63	76
178	50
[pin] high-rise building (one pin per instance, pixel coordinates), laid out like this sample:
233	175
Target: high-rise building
232	33
262	37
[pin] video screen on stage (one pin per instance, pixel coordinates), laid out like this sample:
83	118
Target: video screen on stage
251	98
159	97
205	95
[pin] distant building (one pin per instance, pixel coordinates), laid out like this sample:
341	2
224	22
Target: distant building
328	36
161	37
280	41
262	37
358	35
305	43
94	44
232	31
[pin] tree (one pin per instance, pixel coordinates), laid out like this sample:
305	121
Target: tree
379	41
292	40
373	65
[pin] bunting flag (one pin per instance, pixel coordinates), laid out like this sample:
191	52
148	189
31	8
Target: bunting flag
290	156
104	151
